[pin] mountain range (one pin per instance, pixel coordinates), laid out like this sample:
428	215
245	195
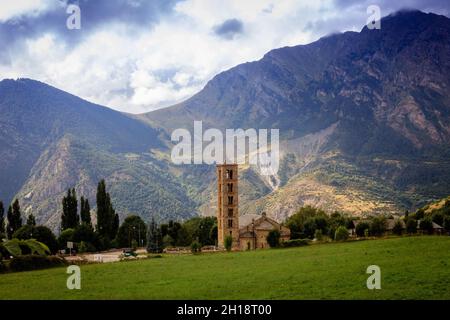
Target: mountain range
364	120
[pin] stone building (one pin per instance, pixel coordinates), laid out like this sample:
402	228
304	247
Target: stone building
248	231
253	231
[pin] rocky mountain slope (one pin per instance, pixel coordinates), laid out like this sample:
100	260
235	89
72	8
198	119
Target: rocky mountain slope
363	116
51	140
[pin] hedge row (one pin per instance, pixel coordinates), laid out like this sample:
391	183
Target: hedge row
35	262
294	243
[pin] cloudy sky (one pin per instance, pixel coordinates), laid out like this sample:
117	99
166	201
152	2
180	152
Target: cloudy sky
141	55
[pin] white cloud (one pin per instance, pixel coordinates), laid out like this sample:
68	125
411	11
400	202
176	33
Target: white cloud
12	9
137	70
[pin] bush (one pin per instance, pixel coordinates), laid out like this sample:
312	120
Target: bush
228	243
447	223
318	235
294	243
64	237
132	228
377	226
341	234
273	238
134	245
2	266
398	228
438	218
196	247
426	225
84	233
35	262
361	229
296	222
411	226
168	241
39	233
82	248
420	213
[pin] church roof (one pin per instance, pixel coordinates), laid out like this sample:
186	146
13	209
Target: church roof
246	219
262	222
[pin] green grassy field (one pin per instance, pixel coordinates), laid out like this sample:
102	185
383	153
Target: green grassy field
411	268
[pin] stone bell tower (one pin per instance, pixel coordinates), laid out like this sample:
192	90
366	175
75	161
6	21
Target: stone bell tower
227	204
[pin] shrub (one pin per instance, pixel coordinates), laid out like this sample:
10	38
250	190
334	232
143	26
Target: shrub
398	228
332	231
420	213
228	243
84	233
167	241
39	233
438	218
341	234
16	247
82	248
273	238
377	226
411	226
296	222
2	266
447	223
361	228
294	243
134	245
196	247
64	237
133	228
35	262
318	235
426	225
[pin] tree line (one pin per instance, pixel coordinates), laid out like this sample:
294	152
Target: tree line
76	226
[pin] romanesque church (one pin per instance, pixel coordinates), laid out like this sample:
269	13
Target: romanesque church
248	231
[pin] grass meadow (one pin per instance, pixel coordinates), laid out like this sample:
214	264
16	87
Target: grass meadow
411	268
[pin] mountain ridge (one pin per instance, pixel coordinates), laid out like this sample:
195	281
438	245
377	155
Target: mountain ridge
363	118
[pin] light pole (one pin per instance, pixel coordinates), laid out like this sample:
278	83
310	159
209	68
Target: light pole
139	232
129	238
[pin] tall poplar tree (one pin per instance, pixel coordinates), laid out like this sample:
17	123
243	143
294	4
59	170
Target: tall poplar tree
14	218
69	217
154	238
31	220
85	211
2	219
106	215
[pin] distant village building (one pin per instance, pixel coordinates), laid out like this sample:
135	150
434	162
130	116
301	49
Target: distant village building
437	229
248	231
390	224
